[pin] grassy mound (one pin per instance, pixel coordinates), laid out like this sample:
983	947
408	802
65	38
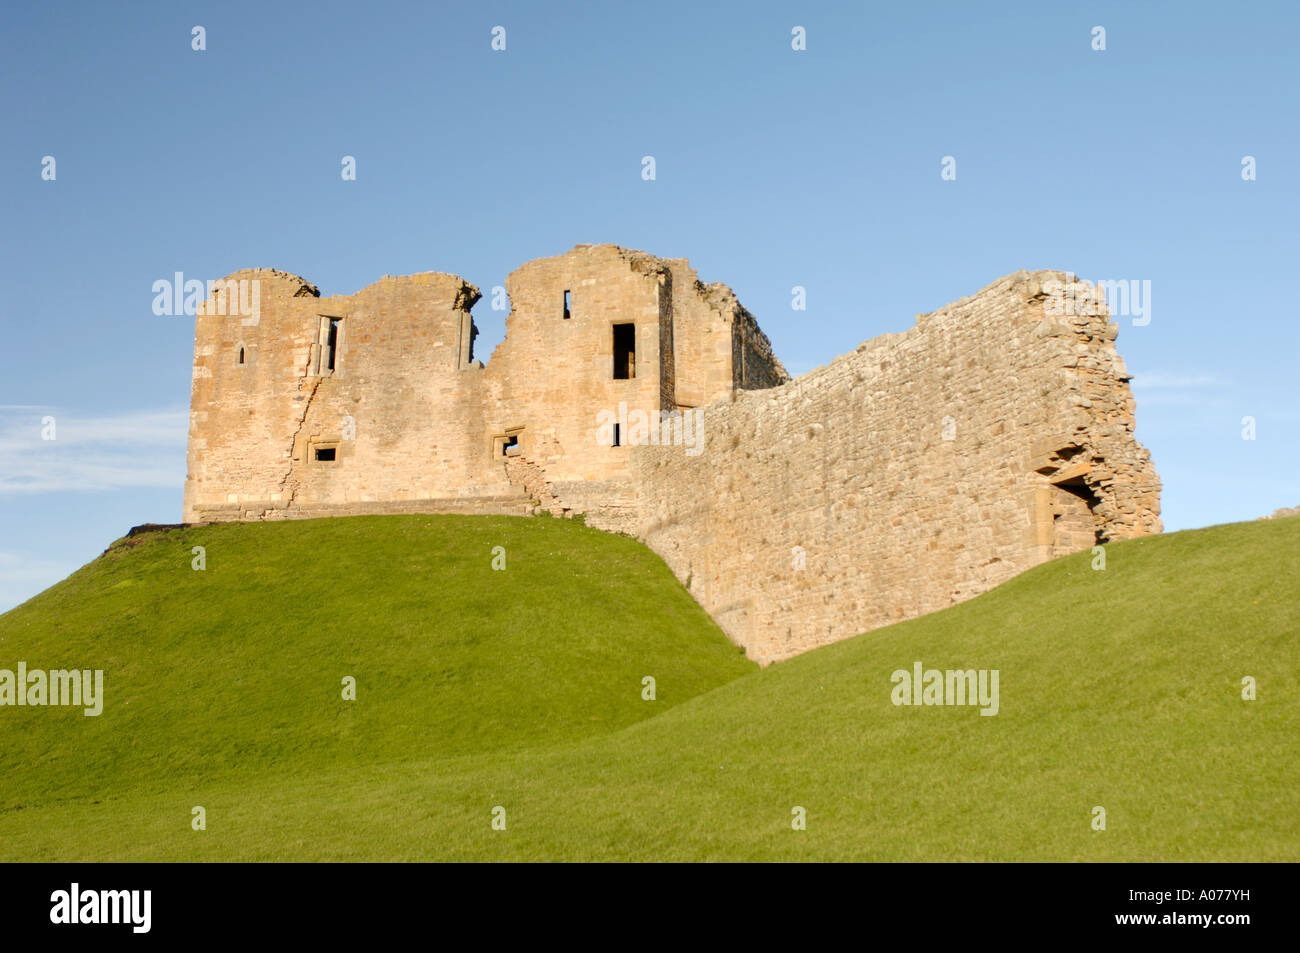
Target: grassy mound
239	668
521	689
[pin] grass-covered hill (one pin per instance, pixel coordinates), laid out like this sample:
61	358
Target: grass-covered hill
522	689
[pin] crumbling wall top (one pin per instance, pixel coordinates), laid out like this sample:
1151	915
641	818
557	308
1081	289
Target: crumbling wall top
302	287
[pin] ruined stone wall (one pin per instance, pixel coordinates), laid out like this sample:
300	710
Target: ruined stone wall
920	470
410	420
757	367
703	337
720	346
401	412
552	375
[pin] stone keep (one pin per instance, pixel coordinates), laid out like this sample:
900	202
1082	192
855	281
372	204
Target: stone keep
920	470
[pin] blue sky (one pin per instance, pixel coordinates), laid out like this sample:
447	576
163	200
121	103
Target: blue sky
775	168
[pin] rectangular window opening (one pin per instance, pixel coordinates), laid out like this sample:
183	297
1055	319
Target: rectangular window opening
568	301
331	345
624	352
617	437
507	444
326	454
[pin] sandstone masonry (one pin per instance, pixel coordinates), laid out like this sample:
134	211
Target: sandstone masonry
920	470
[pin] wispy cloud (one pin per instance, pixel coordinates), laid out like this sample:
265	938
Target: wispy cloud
1178	389
90	454
1176	398
1160	381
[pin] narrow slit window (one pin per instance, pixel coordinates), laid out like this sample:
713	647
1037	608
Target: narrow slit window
624	352
332	344
241	355
568	303
617	437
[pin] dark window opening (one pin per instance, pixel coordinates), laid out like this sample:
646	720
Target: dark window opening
617	438
1078	488
507	444
241	355
1075	522
567	302
326	454
624	352
331	345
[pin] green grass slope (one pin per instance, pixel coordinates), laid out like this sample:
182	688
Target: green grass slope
239	668
1118	689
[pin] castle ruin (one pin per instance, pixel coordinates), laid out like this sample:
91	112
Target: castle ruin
921	469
